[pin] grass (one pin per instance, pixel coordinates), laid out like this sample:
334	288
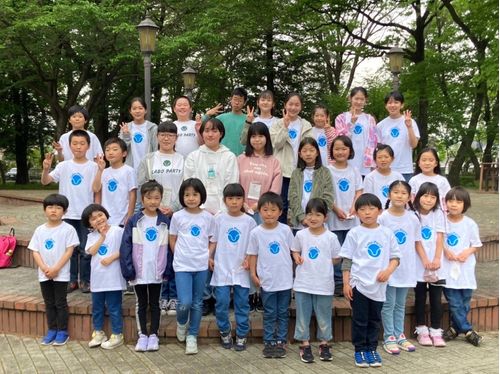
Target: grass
30	186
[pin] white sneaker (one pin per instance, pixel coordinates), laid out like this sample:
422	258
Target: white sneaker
115	340
182	331
191	345
172	307
164	304
98	338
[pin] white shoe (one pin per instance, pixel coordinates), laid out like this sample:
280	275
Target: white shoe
191	345
98	338
115	340
182	331
172	307
164	304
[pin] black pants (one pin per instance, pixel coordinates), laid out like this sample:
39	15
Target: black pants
435	293
284	196
147	294
56	306
365	321
80	261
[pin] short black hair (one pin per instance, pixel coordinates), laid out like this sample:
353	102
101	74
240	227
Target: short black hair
383	147
259	128
181	97
271	198
216	124
426	188
347	142
56	199
233	190
140	100
367	199
151	186
437	168
395	95
79	133
317	204
167	126
240	91
301	164
87	212
293	94
197	185
321	107
121	143
79	109
461	194
355	90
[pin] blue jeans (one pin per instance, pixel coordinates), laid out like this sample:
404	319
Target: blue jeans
208	291
80	261
241	309
337	268
168	290
275	315
393	311
113	300
407	176
190	286
322	306
459	304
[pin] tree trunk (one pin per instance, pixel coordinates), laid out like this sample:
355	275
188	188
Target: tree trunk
491	119
21	121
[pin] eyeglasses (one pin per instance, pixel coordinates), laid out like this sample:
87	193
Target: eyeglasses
167	135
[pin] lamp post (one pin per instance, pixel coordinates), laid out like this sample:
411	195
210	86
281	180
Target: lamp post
189	77
395	55
147	39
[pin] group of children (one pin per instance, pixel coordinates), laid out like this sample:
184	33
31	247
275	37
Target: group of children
206	221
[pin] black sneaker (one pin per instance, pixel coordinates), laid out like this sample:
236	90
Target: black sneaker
450	334
226	340
280	350
72	286
473	338
268	351
259	307
324	352
251	302
207	307
306	354
241	344
85	287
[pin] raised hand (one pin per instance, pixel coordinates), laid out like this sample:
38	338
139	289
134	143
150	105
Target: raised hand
101	164
57	146
124	129
286	118
407	114
219	108
250	115
354	116
47	162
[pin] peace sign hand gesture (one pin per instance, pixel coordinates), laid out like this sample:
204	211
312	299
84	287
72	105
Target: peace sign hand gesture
286	118
101	164
250	115
407	114
47	162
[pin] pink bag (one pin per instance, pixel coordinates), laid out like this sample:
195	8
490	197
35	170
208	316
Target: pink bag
7	248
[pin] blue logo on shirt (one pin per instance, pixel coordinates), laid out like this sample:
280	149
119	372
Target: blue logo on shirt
452	239
76	179
138	137
395	132
358	129
112	185
233	235
274	248
184	128
322	141
385	191
195	230
49	244
292	133
313	253
343	184
426	232
374	249
308	186
103	250
151	234
400	236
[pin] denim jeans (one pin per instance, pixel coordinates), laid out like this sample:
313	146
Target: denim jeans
407	176
459	304
80	261
322	306
190	286
275	315
168	290
393	311
208	291
337	268
365	322
241	309
113	300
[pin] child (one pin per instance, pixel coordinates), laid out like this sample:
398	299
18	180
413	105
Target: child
188	131
406	229
313	250
230	266
462	241
428	169
360	128
286	135
78	118
265	103
271	269
75	179
371	255
107	283
430	273
399	131
377	182
323	132
190	232
52	244
311	179
120	187
145	261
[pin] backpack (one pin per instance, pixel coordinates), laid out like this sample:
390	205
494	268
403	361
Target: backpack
7	248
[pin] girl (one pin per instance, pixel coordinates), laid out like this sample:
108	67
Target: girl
310	179
190	231
406	229
188	131
145	262
428	169
286	135
323	132
430	274
377	182
106	280
361	128
461	242
230	266
313	250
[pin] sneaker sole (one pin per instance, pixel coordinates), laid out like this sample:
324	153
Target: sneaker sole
60	343
365	365
171	313
394	353
406	349
239	349
326	358
192	352
111	347
375	365
307	362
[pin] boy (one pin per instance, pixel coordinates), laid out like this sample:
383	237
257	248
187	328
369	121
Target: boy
400	132
52	244
75	178
271	269
233	121
370	255
120	187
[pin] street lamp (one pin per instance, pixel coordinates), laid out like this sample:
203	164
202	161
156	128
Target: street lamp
147	39
395	55
189	77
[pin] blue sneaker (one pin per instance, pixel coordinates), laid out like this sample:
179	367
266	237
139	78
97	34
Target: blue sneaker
360	359
374	359
61	337
49	338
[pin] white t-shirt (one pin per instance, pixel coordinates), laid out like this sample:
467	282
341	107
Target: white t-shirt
94	150
431	224
75	182
51	244
151	246
360	134
187	139
406	230
378	184
370	251
459	236
345	183
106	278
116	185
168	170
307	186
231	235
315	275
441	182
274	262
193	232
394	132
295	135
267	121
139	142
320	137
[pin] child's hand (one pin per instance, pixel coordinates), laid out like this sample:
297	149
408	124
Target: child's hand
197	119
219	108
352	211
245	265
328	123
340	214
305	222
450	256
211	264
299	260
347	291
407	114
354	116
124	129
256	281
101	164
286	118
47	162
383	276
51	273
166	210
250	115
106	261
57	146
462	256
436	264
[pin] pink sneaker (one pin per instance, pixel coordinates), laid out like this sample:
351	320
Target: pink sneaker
437	337
404	344
423	337
391	346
